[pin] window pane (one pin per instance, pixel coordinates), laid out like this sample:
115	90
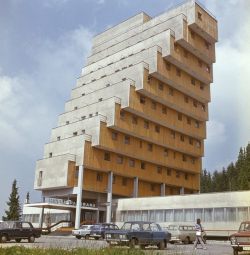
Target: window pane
242	213
169	215
159	215
152	215
218	214
144	215
230	214
178	215
208	214
198	214
189	215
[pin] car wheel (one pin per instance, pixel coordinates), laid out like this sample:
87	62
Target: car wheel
96	238
161	245
132	243
18	240
235	251
4	239
78	237
31	239
186	240
86	237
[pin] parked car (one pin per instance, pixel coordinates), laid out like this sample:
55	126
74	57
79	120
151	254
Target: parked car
141	233
83	231
98	230
182	233
18	230
240	241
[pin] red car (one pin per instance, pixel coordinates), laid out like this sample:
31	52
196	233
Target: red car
240	241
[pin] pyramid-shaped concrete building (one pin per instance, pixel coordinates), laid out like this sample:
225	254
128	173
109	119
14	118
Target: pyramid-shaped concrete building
135	123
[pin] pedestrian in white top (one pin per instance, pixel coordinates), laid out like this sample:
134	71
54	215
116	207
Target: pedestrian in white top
199	229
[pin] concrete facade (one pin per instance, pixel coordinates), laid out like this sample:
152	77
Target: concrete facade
137	114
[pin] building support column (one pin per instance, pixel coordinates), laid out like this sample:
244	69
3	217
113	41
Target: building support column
163	189
41	218
79	197
136	182
182	192
109	197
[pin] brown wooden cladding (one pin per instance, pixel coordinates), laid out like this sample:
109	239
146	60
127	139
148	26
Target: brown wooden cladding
137	148
71	173
175	98
94	159
183	81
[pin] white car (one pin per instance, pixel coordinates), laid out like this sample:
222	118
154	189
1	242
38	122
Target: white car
83	231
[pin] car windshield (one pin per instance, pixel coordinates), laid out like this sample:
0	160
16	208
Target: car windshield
85	227
172	227
244	227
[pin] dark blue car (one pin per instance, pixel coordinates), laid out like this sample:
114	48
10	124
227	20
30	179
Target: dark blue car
141	233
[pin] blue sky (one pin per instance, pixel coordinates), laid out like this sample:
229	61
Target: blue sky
43	46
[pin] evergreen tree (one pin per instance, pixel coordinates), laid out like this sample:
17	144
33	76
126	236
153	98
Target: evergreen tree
14	212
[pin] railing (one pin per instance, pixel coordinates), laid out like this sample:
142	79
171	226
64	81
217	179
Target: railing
59	224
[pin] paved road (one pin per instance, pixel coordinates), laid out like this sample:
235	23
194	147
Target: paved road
213	247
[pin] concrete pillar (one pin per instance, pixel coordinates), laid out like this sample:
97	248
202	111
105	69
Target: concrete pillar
79	197
41	218
182	191
135	192
109	197
163	189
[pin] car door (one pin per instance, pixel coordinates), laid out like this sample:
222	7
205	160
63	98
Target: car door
25	230
146	233
156	233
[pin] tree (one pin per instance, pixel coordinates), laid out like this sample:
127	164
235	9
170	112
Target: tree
14	211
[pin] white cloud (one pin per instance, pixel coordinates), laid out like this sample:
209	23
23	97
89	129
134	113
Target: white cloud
216	132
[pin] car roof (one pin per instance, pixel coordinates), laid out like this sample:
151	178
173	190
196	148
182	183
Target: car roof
140	222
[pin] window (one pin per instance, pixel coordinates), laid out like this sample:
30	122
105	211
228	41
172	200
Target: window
58	138
188	121
172	134
75	108
171	92
176	48
165	152
142	100
160	86
186	99
107	85
159	169
134	120
182	138
122	115
40	178
184	158
90	115
114	136
150	147
207	45
157	129
143	165
180	116
178	72
193	81
152	187
124	181
140	144
100	99
83	94
119	159
203	107
99	177
198	144
190	141
185	54
194	103
193	160
67	122
164	109
153	105
114	179
50	154
197	124
146	124
83	131
131	162
168	66
169	171
186	176
199	63
83	117
174	154
201	86
107	156
127	139
149	78
192	35
200	16
75	134
177	174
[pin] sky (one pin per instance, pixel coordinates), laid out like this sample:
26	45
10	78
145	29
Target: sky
44	45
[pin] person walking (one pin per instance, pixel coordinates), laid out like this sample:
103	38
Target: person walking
199	229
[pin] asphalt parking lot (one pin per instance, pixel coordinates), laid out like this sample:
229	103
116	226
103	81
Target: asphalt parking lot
213	247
